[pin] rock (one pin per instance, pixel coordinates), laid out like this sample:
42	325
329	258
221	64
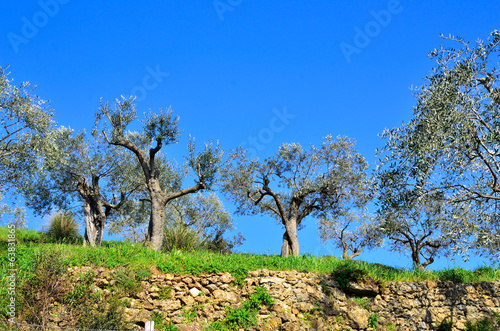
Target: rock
147	305
187	300
212	287
171	305
368	289
277	308
271	324
194	292
226	278
273	280
187	280
190	327
224	296
358	318
305	306
290	326
318	324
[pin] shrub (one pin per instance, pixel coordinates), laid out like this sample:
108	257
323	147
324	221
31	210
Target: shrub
161	324
349	274
245	316
43	286
445	326
224	246
481	325
90	310
178	236
64	229
129	280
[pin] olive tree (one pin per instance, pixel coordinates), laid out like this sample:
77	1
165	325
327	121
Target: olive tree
78	168
455	134
351	231
297	182
25	123
159	129
414	219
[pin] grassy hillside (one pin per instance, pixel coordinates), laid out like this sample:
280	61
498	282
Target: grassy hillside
41	265
113	254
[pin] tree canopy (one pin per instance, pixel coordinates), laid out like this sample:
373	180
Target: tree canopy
159	129
455	135
297	182
25	126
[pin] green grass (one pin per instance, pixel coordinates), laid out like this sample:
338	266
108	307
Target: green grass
113	254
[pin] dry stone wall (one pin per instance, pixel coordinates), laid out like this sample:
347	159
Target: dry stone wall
307	301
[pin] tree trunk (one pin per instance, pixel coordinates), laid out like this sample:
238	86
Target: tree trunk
415	256
94	222
345	252
290	240
156	226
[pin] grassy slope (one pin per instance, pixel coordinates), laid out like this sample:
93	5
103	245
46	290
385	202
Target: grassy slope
113	254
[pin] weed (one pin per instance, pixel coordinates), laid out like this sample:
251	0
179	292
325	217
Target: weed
191	314
391	326
363	303
445	325
166	293
161	324
103	314
246	316
129	280
259	298
43	287
373	321
82	289
481	325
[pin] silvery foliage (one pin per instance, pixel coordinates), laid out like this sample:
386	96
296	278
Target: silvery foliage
415	220
25	124
352	231
160	129
323	180
455	135
204	214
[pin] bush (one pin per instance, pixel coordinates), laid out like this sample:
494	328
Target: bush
64	229
224	246
245	316
90	310
43	286
180	237
349	274
481	325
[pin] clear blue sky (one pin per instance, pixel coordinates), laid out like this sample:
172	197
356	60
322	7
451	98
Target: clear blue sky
228	67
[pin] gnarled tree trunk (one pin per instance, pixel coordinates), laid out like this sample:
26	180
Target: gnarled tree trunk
156	226
95	219
290	241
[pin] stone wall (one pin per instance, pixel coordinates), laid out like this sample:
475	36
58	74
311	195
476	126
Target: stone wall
308	301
